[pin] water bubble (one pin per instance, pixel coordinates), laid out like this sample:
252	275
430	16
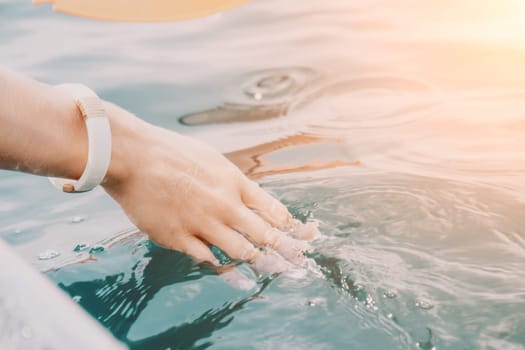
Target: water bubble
390	294
77	298
425	346
257	96
48	254
390	315
80	247
358	287
316	301
370	303
77	219
99	248
275	84
424	305
427	343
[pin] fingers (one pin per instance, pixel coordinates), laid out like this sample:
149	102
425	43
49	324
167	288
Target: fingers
263	234
254	227
197	249
299	230
274	212
231	242
269	208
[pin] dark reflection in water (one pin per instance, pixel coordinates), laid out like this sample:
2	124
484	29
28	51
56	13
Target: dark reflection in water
230	113
118	300
400	256
187	335
257	96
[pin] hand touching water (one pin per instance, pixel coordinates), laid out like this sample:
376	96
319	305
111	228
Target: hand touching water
187	196
182	193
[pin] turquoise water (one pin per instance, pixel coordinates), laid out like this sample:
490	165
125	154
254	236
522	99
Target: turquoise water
398	127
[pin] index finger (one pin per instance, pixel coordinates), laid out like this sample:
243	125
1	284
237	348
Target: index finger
274	212
269	208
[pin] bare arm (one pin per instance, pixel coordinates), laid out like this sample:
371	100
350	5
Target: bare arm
182	193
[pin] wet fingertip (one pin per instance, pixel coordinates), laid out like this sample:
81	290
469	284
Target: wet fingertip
249	254
272	237
215	262
238	280
295	244
299	230
310	230
292	249
270	262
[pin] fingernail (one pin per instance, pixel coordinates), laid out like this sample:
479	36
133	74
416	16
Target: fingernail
272	237
293	249
291	225
270	262
307	231
249	254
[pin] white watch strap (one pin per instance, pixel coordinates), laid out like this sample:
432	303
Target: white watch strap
99	140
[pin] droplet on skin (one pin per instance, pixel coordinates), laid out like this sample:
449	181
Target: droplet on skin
48	254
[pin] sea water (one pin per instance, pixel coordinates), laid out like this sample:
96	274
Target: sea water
397	126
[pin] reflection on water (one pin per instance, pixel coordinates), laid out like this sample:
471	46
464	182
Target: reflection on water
399	128
401	257
257	96
255	161
121	295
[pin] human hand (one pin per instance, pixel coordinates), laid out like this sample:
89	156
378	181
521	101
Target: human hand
182	193
187	196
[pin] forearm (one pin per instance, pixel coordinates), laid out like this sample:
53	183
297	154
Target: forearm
43	133
41	130
185	195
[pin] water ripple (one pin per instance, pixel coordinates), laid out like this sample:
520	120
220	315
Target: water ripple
361	103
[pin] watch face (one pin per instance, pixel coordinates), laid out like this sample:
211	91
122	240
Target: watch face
142	10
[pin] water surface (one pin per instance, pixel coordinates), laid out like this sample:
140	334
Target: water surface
399	127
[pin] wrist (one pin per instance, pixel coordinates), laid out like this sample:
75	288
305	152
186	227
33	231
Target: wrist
127	131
